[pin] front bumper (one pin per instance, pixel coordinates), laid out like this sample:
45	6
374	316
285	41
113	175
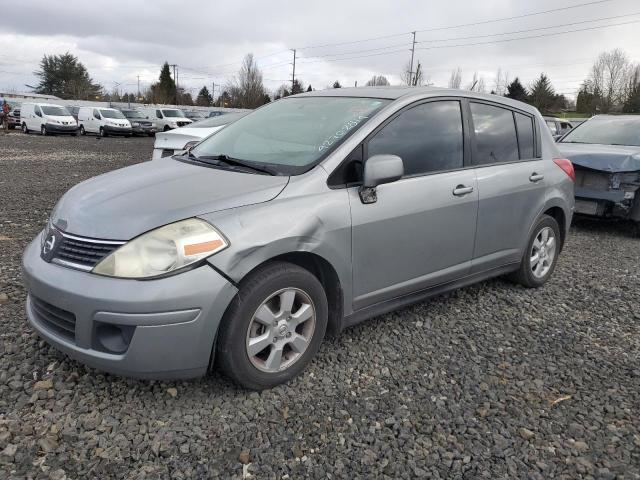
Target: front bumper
142	130
51	128
111	130
173	320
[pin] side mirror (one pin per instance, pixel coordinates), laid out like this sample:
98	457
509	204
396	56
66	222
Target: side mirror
378	170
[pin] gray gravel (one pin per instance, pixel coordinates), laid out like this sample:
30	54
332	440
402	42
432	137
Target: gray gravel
492	381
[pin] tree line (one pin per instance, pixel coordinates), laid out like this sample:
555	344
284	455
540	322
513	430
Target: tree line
612	85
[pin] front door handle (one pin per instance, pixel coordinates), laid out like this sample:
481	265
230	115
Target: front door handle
535	177
461	190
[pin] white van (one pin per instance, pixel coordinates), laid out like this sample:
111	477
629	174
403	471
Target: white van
46	118
103	121
166	118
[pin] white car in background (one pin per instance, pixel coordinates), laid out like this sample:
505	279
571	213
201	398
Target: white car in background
166	118
178	140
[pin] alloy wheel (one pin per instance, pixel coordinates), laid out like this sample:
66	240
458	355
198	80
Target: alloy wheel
543	252
281	330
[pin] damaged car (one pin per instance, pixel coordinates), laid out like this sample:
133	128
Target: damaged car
605	152
306	216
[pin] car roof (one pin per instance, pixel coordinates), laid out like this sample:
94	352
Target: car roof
395	93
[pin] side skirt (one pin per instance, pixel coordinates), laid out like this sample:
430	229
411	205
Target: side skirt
421	295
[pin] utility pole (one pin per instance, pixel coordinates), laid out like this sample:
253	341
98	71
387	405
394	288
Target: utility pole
175	80
413	48
293	75
138	97
213	93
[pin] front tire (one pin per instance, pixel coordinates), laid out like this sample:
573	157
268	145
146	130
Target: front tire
273	327
103	132
541	255
43	131
82	130
25	130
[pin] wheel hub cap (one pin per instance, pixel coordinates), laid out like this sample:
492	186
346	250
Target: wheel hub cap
281	329
543	252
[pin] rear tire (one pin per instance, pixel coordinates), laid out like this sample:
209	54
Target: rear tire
25	130
261	316
541	254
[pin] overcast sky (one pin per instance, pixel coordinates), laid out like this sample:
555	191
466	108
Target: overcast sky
119	40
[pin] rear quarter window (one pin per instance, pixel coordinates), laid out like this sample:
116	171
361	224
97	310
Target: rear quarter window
524	124
495	134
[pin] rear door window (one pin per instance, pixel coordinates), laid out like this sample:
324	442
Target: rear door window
427	137
495	134
552	126
524	124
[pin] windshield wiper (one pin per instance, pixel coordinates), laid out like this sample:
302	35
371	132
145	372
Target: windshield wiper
236	162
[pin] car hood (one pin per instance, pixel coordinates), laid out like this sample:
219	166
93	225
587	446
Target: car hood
607	158
124	203
178	138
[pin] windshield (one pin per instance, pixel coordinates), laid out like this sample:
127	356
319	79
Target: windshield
111	114
218	121
55	111
173	113
292	134
622	130
132	114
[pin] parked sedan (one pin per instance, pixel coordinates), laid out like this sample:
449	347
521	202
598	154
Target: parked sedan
306	216
140	125
194	115
558	126
179	139
605	151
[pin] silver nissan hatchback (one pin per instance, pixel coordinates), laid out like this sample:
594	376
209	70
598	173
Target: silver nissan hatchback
306	216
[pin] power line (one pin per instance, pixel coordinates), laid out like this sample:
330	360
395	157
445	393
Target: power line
437	47
530	29
449	27
503	19
552	34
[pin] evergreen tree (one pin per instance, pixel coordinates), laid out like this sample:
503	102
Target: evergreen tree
309	89
296	87
542	96
65	77
336	84
165	90
204	98
516	91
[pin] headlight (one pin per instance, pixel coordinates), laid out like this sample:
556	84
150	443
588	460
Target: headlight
190	144
163	250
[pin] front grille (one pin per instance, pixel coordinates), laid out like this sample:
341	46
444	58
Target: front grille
57	320
182	124
83	253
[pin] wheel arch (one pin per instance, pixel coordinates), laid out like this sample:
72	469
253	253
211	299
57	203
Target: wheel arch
557	213
324	271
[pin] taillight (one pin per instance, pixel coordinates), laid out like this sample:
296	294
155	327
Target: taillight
566	166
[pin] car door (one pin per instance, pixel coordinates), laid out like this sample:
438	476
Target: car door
34	117
511	183
420	231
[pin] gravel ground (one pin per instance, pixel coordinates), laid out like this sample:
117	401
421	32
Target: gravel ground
492	381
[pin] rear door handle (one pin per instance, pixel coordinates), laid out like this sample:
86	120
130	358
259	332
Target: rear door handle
461	190
535	177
